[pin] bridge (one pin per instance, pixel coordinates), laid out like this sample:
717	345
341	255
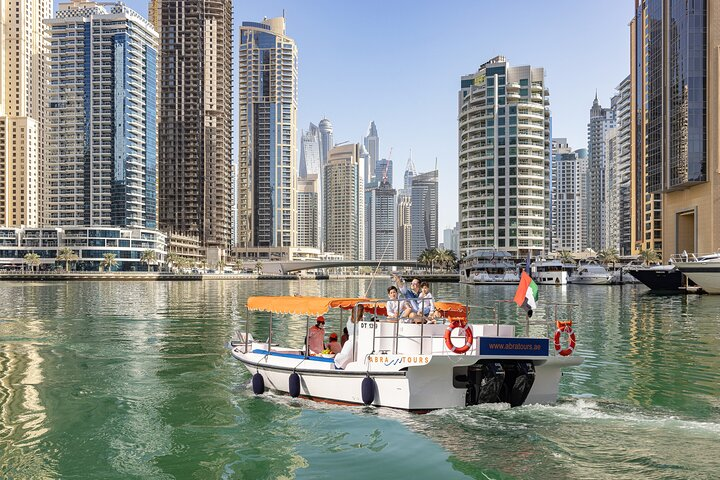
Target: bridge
285	267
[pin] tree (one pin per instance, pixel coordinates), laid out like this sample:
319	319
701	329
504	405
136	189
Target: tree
108	261
649	256
429	257
148	257
172	261
608	255
259	268
67	255
565	256
32	259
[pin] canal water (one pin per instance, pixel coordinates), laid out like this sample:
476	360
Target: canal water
122	380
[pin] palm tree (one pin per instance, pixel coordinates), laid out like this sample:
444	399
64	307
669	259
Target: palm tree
649	256
446	258
148	257
32	259
565	256
259	268
109	261
172	261
429	256
67	255
608	255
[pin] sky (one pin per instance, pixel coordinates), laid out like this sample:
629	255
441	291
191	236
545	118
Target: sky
399	63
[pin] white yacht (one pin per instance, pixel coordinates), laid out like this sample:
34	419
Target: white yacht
703	270
489	267
591	274
549	272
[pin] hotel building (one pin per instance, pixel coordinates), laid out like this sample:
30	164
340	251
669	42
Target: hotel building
344	202
267	167
504	159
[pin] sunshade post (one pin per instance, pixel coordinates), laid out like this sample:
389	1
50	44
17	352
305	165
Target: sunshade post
247	327
270	337
307	336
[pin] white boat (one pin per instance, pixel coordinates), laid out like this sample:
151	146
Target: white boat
549	272
407	366
489	267
622	276
703	270
590	274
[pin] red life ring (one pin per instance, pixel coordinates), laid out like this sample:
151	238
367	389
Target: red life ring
468	337
571	344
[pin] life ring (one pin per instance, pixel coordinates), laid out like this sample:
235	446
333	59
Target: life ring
468	337
565	327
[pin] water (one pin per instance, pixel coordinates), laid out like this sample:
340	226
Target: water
134	380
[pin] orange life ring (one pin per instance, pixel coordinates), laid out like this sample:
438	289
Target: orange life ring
468	337
565	327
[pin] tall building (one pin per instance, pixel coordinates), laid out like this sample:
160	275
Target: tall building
101	141
23	86
326	140
569	197
310	152
410	172
617	173
424	212
504	159
451	237
344	202
601	121
384	169
380	221
195	164
404	225
372	145
267	177
308	204
675	117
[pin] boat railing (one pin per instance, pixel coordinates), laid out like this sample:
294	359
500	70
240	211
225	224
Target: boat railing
694	257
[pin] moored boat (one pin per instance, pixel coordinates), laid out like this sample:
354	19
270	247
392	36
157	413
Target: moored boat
405	365
549	272
489	267
703	270
659	278
590	274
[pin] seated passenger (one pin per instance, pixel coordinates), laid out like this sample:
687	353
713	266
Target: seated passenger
392	306
427	302
333	344
316	337
345	336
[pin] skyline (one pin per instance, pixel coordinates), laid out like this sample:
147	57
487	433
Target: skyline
411	92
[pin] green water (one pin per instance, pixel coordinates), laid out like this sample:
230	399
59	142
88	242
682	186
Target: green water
122	380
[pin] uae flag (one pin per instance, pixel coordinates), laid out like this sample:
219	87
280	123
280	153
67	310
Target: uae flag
527	294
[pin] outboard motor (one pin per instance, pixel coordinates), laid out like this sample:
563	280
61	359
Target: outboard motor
519	379
484	383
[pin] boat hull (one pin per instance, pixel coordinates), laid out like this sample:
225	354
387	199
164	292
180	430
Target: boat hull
705	275
605	280
550	278
659	280
427	383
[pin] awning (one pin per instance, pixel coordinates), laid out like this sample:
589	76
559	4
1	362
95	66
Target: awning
301	305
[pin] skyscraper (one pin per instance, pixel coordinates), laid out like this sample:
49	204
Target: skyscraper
424	212
504	161
308	207
410	172
384	169
195	128
23	86
267	177
344	200
617	173
569	197
101	141
404	225
372	145
601	121
310	152
675	114
381	231
326	140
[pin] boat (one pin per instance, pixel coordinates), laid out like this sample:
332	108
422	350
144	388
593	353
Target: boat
590	274
703	270
621	276
489	267
660	278
415	367
549	272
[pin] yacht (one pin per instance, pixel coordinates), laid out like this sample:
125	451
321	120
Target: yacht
489	267
549	272
703	270
591	274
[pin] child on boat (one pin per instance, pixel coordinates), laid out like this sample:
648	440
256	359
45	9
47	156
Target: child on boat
427	302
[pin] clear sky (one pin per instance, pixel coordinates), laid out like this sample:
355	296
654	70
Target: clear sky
399	63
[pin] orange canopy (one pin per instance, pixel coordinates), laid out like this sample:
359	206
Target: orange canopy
452	310
301	305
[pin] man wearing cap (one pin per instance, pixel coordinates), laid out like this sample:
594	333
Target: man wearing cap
316	337
333	344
